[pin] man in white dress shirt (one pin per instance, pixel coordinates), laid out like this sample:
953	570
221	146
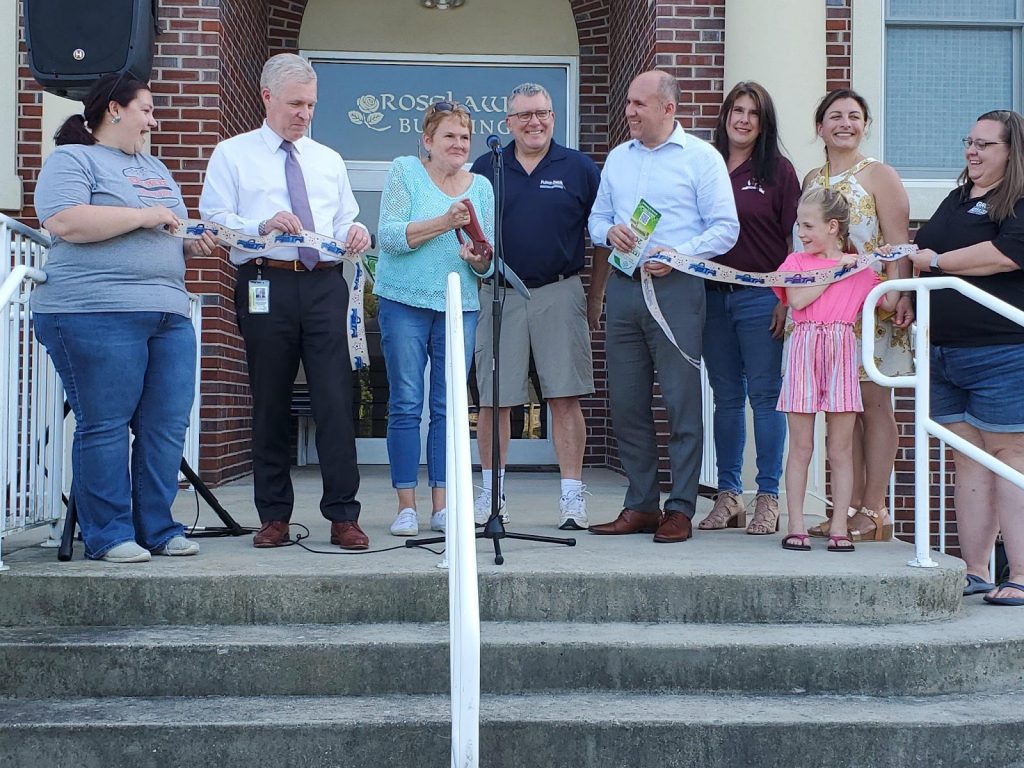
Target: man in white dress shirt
685	179
291	302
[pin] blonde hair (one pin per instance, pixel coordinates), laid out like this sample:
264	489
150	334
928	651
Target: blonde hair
833	206
433	116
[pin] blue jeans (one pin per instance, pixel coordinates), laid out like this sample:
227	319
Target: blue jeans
743	360
124	370
409	336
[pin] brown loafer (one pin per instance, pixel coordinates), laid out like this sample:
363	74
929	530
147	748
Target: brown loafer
272	534
348	535
629	521
674	527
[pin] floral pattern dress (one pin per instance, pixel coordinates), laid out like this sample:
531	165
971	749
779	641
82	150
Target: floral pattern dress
893	353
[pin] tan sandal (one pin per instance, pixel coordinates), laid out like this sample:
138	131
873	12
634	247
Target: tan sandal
728	512
880	526
824	529
766	516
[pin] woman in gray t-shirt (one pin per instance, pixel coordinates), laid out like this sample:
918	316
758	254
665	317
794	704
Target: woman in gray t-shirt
114	317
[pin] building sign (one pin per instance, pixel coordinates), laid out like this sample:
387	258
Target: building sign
374	110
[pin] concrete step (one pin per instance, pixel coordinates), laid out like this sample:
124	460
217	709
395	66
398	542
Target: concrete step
722	578
618	730
969	654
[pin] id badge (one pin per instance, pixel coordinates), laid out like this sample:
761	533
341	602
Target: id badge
259	297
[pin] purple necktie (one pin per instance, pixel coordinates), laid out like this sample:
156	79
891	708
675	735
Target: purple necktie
309	257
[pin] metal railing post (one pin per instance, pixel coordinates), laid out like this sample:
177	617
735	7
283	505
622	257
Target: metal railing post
924	426
463	597
922	407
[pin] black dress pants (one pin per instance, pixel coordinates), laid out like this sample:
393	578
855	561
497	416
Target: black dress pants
306	322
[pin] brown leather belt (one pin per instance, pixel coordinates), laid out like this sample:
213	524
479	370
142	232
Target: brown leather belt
294	266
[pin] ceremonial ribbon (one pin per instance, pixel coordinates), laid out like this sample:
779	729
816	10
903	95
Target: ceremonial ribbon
193	229
707	269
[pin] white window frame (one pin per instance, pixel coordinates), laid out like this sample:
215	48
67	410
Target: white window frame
867	66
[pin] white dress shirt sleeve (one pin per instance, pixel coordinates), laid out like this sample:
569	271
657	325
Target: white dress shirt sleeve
602	214
716	204
220	200
348	208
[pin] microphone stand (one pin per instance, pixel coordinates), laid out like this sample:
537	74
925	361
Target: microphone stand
494	528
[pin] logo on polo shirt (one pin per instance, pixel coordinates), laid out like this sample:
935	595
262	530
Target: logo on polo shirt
552	184
979	209
753	186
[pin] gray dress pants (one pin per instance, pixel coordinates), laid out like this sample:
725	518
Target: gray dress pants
639	352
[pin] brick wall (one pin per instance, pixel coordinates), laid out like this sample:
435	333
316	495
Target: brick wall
592	24
837	44
226	413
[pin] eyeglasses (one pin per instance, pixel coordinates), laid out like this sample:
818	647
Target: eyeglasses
979	144
448	106
525	117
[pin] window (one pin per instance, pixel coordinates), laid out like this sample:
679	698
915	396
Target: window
946	62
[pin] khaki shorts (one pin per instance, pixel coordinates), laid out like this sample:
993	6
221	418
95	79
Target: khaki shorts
553	323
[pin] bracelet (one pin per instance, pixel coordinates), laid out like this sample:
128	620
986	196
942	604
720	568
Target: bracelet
262	229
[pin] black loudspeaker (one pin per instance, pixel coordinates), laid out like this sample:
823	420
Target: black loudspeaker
71	45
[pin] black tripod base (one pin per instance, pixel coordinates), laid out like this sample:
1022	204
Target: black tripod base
231	528
494	530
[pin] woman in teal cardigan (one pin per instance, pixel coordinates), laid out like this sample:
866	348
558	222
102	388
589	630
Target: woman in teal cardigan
420	210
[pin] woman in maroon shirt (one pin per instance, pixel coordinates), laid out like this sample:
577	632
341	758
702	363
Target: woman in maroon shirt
744	325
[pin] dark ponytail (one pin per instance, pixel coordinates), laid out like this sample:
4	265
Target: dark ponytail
79	129
73	131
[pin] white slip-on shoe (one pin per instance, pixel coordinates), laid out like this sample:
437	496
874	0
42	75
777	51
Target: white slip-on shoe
126	552
405	523
178	546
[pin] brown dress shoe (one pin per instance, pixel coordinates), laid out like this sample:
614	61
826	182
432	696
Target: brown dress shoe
272	534
348	535
674	527
629	521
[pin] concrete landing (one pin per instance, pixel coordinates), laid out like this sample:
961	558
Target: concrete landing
719	577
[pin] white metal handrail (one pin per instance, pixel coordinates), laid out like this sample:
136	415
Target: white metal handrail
460	545
31	408
924	426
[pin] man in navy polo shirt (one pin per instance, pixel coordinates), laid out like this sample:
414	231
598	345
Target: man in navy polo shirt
548	192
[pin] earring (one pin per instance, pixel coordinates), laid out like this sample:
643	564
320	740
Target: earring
115	119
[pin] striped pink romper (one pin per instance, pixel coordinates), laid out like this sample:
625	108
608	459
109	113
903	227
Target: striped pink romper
823	351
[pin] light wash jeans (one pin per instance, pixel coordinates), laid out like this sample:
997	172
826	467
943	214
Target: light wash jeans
409	336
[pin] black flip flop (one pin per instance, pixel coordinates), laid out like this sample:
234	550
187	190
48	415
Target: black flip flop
803	546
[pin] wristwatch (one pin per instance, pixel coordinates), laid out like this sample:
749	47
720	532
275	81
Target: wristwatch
933	265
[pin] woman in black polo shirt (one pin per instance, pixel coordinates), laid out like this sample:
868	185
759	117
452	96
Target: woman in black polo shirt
977	356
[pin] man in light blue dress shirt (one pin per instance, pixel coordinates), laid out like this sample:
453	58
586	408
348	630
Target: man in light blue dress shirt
686	180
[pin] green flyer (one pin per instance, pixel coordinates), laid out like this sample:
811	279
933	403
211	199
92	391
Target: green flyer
643	221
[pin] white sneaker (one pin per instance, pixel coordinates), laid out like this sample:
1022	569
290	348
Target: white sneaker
178	546
406	523
573	511
482	508
439	520
126	552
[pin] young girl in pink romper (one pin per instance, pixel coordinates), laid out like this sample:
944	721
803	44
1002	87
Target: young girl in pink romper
822	363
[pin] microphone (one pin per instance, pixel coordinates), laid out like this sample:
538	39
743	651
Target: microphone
494	144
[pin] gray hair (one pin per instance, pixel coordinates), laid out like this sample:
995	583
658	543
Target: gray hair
283	68
668	88
526	90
